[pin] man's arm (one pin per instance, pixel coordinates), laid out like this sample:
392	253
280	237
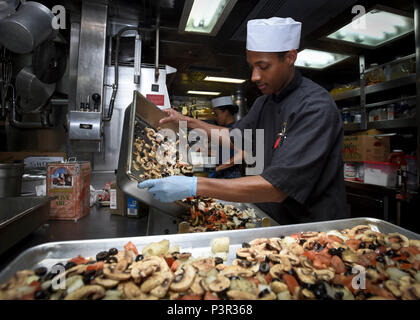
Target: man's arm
247	189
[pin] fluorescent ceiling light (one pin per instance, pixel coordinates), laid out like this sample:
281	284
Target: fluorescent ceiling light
221	79
205	16
374	29
204	93
315	59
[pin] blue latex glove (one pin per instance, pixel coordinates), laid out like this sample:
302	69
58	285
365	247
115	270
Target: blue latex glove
171	188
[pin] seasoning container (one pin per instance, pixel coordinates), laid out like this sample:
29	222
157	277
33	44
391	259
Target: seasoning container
391	112
70	183
350	171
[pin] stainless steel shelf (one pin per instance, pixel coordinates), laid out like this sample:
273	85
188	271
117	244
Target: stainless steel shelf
374	88
392	124
383	103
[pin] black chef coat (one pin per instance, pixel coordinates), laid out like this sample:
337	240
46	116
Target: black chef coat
305	161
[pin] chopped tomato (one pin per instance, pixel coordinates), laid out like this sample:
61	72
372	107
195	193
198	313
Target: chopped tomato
295	236
96	266
268	278
338	264
406	266
401	257
321	262
291	282
416	265
411	250
79	260
169	261
353	243
344	280
36	285
174	266
334	238
311	254
210	296
130	246
322	240
380	250
192	297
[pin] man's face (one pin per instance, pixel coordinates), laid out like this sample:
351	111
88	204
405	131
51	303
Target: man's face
271	73
221	116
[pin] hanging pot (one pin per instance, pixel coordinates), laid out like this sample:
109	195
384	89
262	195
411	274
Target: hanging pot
24	30
32	92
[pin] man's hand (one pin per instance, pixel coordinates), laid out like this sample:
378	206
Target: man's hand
171	188
173	116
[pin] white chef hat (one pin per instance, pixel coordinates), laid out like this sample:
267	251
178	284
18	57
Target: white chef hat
273	35
222	101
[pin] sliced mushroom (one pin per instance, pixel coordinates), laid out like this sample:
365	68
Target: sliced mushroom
106	283
373	275
196	287
152	282
307	295
359	229
277	286
240	295
349	256
220	284
235	271
412	292
308	234
306	275
392	286
147	266
296	249
161	290
305	261
277	270
131	290
325	274
96	292
204	265
397	240
183	256
283	263
111	273
258	241
184	277
243	253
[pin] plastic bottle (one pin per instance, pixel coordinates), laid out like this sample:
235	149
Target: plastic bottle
397	158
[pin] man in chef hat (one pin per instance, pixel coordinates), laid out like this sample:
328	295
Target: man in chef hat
302	179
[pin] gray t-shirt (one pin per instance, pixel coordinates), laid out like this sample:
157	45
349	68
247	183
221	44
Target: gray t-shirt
306	161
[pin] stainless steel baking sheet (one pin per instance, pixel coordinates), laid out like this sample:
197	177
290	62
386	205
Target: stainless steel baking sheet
197	243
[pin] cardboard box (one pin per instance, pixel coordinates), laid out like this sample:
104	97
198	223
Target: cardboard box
365	148
118	203
70	182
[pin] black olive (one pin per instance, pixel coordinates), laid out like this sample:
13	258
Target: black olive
318	247
334	252
339	295
320	291
112	260
380	259
101	256
41	271
302	241
263	293
99	273
89	276
139	257
309	286
70	265
234	278
112	251
372	247
267	259
390	252
246	245
362	245
218	260
264	267
40	294
341	249
403	261
291	272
